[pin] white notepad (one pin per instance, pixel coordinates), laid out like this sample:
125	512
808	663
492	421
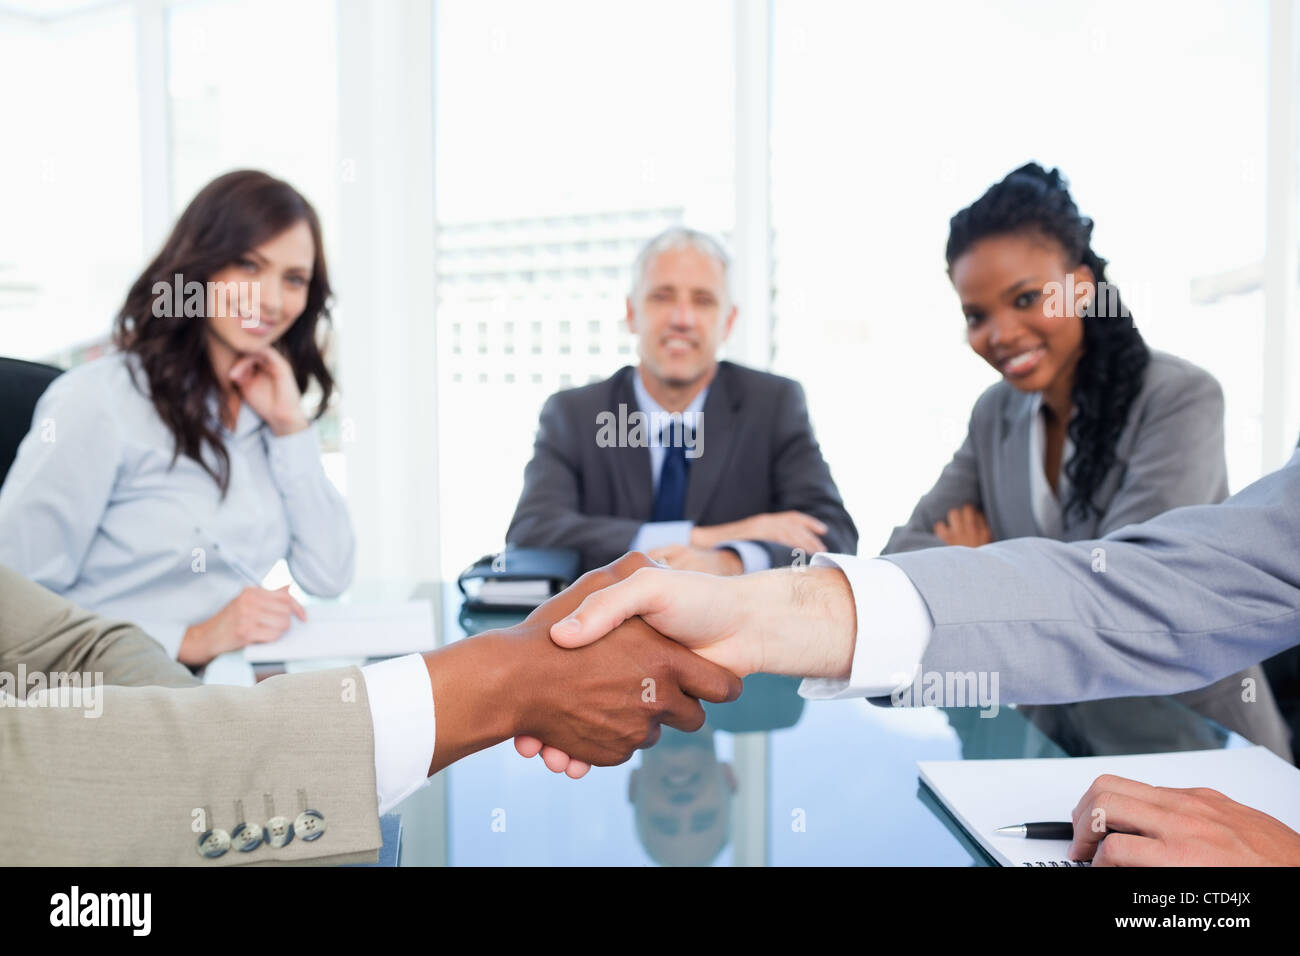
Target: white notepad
352	630
986	794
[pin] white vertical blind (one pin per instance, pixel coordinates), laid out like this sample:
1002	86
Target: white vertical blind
1281	396
385	281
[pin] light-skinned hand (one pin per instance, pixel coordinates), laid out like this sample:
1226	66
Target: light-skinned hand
266	382
795	621
794	529
683	557
255	616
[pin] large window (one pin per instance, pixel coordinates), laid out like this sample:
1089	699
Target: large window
253	83
886	121
567	134
70	204
250	84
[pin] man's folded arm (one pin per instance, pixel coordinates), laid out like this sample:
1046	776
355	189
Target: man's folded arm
754	555
802	480
661	534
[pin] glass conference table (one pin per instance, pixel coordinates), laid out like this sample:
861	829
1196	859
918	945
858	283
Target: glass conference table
771	779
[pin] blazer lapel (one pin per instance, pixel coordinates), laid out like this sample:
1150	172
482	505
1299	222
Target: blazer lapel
1012	488
721	416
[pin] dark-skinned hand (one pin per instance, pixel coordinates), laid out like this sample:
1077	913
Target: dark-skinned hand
596	704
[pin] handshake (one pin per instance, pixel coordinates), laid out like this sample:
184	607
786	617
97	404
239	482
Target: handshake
591	675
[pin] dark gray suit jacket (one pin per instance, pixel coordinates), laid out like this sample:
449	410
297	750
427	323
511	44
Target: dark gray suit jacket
759	455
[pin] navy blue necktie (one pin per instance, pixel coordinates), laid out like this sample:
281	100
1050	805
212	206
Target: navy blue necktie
670	496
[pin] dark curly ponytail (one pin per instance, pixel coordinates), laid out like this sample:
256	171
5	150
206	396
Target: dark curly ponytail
1114	361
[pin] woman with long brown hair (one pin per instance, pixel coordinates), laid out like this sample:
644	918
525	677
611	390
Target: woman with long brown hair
160	483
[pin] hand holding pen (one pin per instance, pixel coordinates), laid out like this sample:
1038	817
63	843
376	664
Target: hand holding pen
255	616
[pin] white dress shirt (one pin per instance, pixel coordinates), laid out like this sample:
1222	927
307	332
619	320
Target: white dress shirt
402	715
96	510
893	631
658	534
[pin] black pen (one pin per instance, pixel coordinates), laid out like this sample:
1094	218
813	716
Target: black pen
1039	831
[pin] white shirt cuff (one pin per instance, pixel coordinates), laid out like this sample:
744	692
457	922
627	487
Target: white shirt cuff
401	712
660	534
894	628
753	556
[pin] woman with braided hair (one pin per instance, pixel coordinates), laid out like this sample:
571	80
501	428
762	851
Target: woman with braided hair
1088	430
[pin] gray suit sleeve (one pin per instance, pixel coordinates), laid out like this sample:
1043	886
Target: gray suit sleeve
958	485
1178	458
120	775
548	515
802	480
1162	607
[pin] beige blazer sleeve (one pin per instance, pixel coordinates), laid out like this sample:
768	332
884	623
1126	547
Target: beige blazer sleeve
133	775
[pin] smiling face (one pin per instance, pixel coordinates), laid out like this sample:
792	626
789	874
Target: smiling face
253	301
681	316
1034	339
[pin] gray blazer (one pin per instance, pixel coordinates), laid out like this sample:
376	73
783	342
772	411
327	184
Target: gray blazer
759	455
122	788
1169	605
1169	454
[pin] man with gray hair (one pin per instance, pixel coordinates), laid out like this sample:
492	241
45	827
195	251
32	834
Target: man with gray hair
704	464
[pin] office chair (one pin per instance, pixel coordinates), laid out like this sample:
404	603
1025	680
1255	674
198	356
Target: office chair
21	384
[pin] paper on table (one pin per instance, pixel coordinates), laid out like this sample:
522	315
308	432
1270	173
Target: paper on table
986	794
352	630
